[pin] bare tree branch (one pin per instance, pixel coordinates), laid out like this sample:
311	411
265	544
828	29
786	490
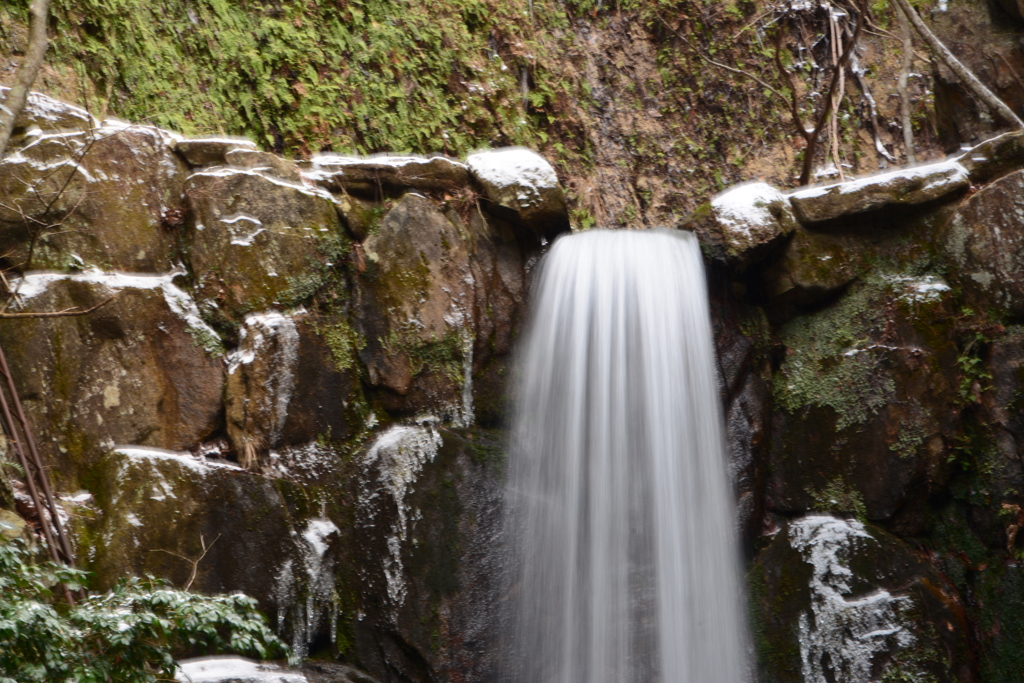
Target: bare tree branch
901	87
962	72
30	65
66	313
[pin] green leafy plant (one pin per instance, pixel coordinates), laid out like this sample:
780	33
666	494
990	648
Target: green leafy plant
129	634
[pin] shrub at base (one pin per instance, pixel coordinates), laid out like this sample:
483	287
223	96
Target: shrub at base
129	634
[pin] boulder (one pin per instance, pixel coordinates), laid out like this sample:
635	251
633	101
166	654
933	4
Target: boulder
742	225
866	397
258	241
104	198
813	266
887	191
416	311
984	246
837	600
376	175
48	115
157	512
210	151
995	157
142	369
265	162
12	526
521	186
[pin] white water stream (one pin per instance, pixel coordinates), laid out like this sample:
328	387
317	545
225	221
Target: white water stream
624	565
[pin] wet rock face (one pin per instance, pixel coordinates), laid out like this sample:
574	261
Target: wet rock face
836	600
984	244
865	398
434	571
144	369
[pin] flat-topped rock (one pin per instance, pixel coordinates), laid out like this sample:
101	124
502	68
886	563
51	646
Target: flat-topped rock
740	226
995	157
525	186
906	187
371	175
50	115
210	151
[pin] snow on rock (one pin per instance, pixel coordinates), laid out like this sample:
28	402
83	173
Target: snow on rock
994	157
306	599
844	633
743	224
905	187
210	151
391	468
336	172
35	284
49	114
523	182
261	379
233	670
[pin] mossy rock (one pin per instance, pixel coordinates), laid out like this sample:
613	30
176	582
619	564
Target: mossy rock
255	235
743	225
107	197
142	369
984	247
158	512
416	306
866	398
837	600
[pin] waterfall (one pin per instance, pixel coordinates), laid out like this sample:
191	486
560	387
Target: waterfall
623	560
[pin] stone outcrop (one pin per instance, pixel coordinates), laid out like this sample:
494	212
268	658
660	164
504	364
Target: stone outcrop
888	191
143	369
255	237
984	245
742	225
261	324
837	600
523	187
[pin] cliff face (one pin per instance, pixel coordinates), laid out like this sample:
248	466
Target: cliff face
645	108
303	361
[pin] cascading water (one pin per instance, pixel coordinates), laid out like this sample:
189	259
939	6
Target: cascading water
624	566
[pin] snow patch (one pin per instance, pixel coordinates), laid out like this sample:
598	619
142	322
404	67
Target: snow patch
146	455
396	458
233	670
841	638
515	167
744	208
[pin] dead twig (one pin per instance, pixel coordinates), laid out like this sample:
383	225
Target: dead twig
195	562
66	313
977	88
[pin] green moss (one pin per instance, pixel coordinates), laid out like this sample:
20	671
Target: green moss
839	497
442	356
830	363
344	342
